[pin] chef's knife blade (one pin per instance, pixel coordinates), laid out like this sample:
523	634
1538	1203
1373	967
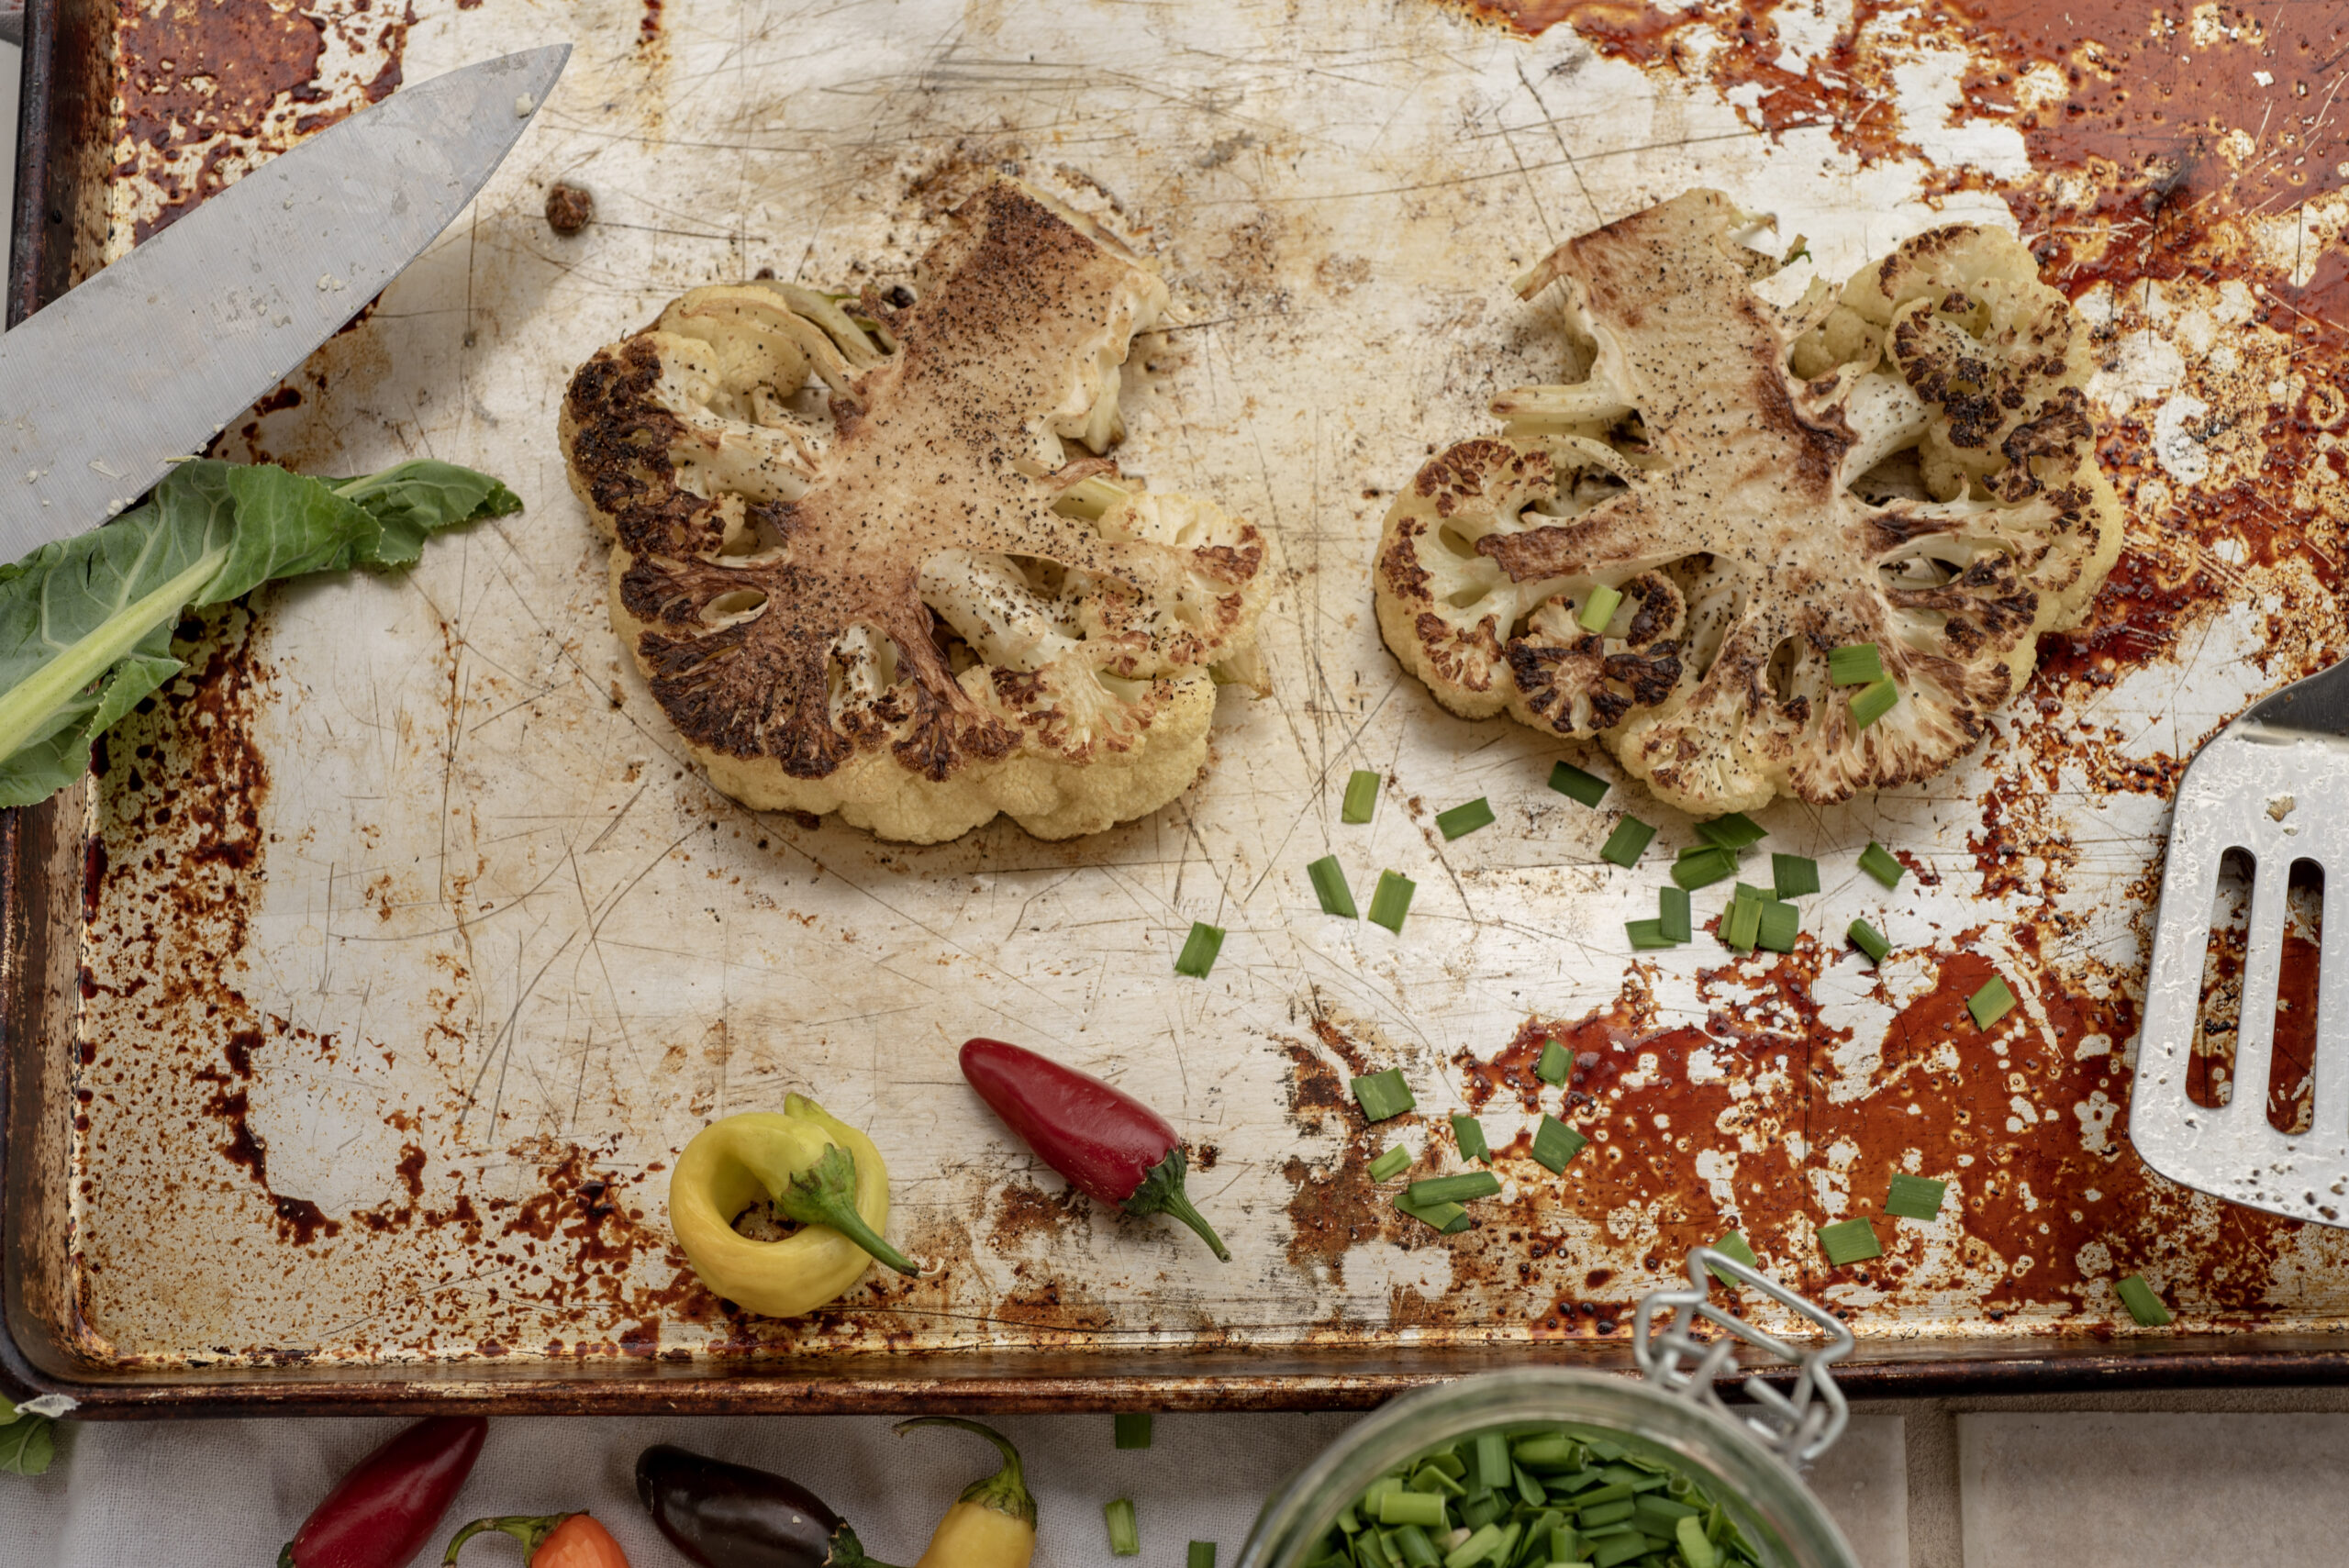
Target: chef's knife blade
145	362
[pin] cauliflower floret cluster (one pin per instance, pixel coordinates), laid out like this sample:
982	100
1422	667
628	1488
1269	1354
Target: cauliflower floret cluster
948	606
1909	463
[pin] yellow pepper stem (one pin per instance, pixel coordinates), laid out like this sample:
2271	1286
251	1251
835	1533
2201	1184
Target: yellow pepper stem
993	1524
824	1193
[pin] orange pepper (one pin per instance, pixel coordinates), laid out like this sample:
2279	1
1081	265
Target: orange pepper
550	1540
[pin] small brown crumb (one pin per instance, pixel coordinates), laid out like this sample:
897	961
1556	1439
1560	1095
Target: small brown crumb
569	208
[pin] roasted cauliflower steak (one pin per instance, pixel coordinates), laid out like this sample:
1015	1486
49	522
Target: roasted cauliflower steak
1909	462
948	604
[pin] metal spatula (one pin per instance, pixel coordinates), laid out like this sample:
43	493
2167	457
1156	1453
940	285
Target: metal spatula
2274	785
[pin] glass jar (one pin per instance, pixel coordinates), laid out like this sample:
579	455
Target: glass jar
1767	1500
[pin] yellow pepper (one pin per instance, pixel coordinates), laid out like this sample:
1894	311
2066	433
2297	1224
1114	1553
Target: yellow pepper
816	1170
993	1524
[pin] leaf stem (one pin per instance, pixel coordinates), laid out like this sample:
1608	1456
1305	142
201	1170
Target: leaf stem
29	706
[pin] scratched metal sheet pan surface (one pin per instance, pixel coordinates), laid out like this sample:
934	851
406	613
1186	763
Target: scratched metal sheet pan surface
411	949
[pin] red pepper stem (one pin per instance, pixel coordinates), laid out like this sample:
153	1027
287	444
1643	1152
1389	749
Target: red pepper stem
1161	1192
531	1529
824	1194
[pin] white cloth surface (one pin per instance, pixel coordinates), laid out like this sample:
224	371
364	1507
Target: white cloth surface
228	1493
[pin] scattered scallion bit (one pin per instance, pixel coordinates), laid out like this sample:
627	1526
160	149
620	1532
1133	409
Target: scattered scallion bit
1780	924
1556	1144
1599	608
1853	1241
1869	941
1647	935
1200	1555
1746	890
1383	1095
1704	868
1391	900
1463	1188
1672	916
1330	886
1871	702
1465	818
1469	1134
1575	785
1198	951
1743	924
1448	1219
1392	1164
1915	1197
1990	1004
2142	1304
1734	1245
1555	1063
1794	875
1125	1535
1855	664
1879	864
1627	843
1132	1428
1732	832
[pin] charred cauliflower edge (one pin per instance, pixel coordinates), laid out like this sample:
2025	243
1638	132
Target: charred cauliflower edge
1909	462
948	607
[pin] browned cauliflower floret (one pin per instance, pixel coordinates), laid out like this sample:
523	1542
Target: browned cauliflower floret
949	606
1910	464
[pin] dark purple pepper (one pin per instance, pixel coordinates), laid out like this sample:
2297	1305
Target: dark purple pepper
730	1516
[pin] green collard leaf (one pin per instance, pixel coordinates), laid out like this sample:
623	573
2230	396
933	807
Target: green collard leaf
85	623
28	1444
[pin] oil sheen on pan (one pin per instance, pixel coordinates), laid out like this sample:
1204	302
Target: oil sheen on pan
414	952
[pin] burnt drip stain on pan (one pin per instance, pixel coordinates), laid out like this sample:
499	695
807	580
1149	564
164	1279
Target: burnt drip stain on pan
210	90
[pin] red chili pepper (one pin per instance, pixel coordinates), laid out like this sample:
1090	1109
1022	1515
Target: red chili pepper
384	1512
1107	1143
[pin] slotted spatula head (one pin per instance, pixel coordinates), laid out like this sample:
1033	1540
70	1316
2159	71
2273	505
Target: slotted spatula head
2274	784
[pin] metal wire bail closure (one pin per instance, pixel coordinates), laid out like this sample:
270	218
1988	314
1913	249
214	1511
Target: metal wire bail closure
1796	1427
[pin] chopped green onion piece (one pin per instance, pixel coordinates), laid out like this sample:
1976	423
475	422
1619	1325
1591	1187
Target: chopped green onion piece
1743	924
1688	1531
2142	1304
1468	818
1330	886
1555	1063
1361	796
1447	1218
1410	1547
1734	831
1869	941
1628	842
1855	664
1872	703
1468	1186
1469	1134
1202	1555
1706	867
1853	1241
1383	1095
1780	924
1915	1197
1391	901
1673	917
1424	1508
1794	875
1125	1536
1879	864
1556	1144
1571	782
1476	1549
1733	1245
1990	1004
1200	950
1749	894
1134	1428
1393	1162
1599	608
1646	935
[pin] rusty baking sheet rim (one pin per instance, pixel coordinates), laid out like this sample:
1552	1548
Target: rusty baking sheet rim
1014	1380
